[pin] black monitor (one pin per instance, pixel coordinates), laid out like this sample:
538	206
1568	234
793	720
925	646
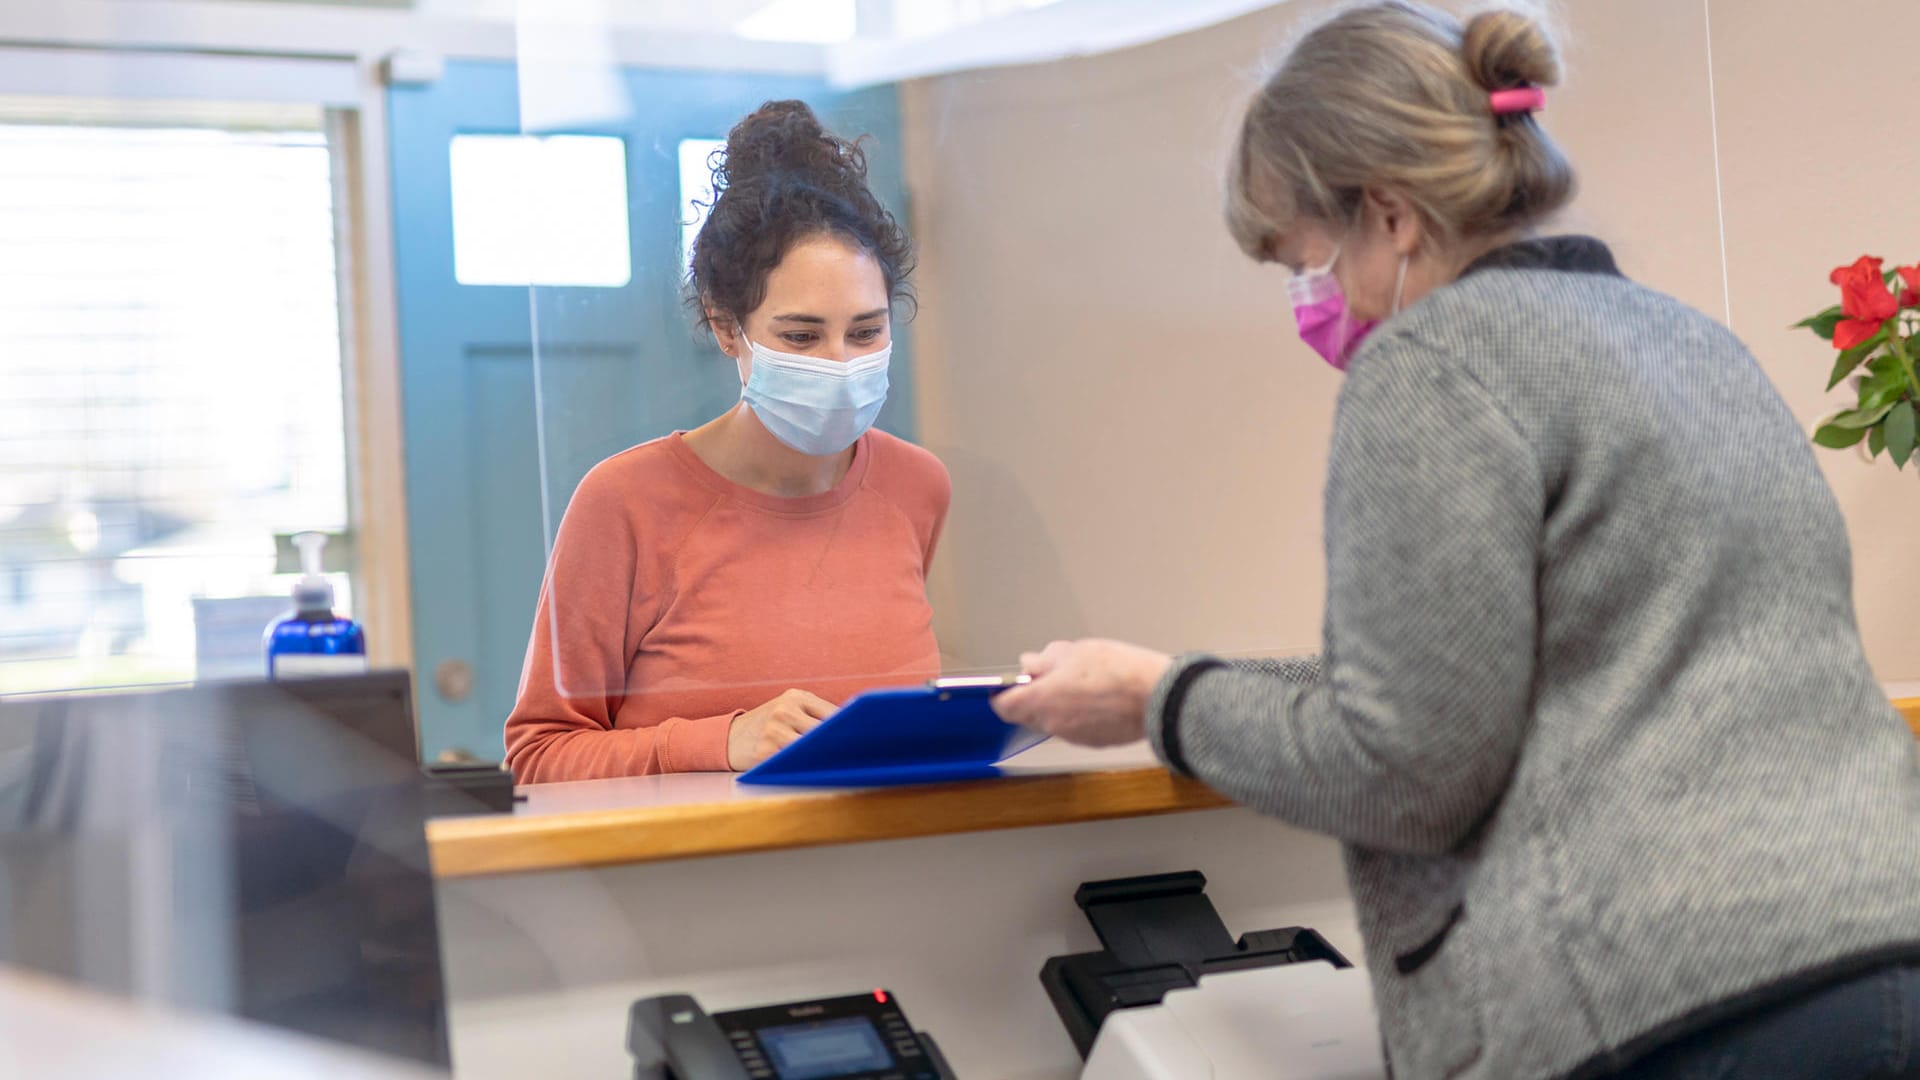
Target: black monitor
255	848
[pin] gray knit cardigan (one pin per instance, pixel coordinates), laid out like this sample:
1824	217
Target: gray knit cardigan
1593	719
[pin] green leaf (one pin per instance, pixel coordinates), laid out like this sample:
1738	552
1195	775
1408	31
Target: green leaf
1876	441
1860	418
1823	323
1852	357
1843	367
1900	429
1884	385
1839	438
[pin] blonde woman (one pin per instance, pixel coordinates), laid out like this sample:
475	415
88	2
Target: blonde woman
1618	791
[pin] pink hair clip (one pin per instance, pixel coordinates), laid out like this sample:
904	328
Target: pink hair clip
1521	99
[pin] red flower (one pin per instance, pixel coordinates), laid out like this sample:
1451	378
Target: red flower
1852	332
1910	296
1866	300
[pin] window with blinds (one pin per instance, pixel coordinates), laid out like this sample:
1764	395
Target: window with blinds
170	392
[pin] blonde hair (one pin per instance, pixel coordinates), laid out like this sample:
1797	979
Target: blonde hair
1394	95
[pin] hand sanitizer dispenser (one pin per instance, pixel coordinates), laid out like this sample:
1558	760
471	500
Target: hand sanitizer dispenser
313	640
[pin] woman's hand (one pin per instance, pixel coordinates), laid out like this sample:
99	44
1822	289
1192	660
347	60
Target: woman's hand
758	734
1089	692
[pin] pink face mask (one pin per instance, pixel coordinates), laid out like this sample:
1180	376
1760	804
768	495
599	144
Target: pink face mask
1321	309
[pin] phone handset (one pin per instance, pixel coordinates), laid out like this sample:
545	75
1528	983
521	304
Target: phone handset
672	1038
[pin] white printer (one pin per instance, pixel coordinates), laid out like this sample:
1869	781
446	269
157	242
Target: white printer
1304	1021
1172	996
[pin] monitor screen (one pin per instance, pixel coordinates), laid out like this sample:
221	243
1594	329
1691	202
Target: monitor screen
252	848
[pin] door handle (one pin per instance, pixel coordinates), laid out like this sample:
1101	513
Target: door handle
453	680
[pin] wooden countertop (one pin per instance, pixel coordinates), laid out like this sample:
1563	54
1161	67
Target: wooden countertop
689	815
654	818
1910	708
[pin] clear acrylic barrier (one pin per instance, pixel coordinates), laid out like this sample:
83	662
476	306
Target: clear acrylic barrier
1135	437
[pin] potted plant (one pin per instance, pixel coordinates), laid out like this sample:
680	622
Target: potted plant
1876	327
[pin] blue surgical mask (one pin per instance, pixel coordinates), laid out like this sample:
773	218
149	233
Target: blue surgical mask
816	406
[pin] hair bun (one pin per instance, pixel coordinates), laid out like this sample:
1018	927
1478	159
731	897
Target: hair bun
786	137
1505	49
782	179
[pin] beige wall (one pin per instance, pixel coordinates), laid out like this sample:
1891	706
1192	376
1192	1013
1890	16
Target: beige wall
1138	440
1820	167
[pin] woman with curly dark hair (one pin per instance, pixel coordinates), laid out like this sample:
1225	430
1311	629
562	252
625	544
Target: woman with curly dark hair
713	594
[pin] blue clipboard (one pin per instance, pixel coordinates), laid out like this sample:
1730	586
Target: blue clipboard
940	732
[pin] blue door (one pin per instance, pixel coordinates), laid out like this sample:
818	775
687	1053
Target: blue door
615	366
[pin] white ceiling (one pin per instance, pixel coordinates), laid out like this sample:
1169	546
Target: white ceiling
851	42
1015	28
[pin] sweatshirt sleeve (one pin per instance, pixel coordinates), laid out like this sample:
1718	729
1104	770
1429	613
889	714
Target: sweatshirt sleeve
940	487
574	679
1409	735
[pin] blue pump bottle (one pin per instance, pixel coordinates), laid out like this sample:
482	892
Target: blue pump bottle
313	640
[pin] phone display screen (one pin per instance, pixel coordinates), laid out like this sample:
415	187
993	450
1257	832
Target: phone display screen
830	1048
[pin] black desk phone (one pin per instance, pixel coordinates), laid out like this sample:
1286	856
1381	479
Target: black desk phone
858	1037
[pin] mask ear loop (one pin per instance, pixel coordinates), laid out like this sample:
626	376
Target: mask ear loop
1400	283
744	361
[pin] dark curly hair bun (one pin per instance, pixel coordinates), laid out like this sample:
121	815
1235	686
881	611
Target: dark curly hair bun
784	178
